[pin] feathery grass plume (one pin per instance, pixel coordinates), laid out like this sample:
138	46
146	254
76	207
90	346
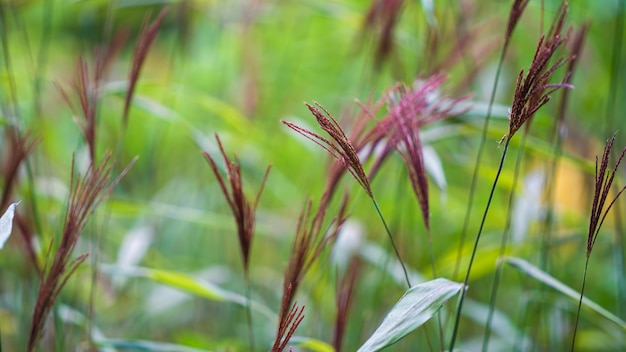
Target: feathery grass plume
344	297
146	38
602	187
531	93
533	90
86	193
308	245
288	324
86	90
517	9
341	149
409	110
356	136
243	210
86	87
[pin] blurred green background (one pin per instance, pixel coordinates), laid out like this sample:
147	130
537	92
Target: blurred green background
238	67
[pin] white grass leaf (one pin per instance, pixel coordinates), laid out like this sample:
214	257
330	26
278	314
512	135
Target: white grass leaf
6	224
557	285
434	167
413	309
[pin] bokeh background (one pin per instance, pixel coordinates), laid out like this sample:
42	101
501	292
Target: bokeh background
239	67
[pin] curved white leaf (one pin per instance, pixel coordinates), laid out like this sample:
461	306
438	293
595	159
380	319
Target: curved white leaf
413	309
6	223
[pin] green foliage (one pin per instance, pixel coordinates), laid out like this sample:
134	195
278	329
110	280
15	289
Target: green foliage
163	269
420	303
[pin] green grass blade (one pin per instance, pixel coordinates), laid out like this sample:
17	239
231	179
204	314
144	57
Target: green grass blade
311	344
550	281
192	285
146	345
415	307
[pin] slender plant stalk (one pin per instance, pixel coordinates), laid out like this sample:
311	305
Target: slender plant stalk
480	230
431	253
42	56
393	243
515	13
580	302
503	243
248	310
477	163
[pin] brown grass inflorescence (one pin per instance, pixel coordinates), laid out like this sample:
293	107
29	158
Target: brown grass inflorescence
147	36
340	147
242	208
86	193
409	110
344	299
287	325
602	187
533	90
308	245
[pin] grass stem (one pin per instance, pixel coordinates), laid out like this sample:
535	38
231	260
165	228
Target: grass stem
503	243
249	310
477	163
480	230
393	243
580	302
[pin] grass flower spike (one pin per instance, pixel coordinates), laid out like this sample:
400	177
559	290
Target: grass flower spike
602	187
146	38
243	210
288	325
85	195
308	245
409	110
533	90
341	148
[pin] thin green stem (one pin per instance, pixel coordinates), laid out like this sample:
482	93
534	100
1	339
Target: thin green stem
479	156
503	244
580	303
42	56
480	230
248	310
393	243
